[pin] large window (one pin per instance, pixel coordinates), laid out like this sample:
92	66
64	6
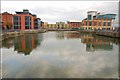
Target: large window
15	18
27	23
15	27
27	18
35	27
15	23
104	24
90	24
35	20
109	23
27	27
89	17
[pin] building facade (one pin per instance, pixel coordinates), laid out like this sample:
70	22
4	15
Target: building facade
36	22
6	20
1	22
95	21
74	24
25	20
61	25
45	25
41	24
26	43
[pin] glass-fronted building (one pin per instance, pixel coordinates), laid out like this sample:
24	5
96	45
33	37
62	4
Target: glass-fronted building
95	21
25	20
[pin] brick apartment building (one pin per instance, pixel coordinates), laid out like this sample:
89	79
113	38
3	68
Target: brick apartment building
25	20
6	20
20	21
74	24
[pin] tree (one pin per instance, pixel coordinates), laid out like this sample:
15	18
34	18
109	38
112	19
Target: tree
9	25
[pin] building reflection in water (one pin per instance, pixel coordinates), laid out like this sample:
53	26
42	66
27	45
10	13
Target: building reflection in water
60	35
67	35
92	41
25	44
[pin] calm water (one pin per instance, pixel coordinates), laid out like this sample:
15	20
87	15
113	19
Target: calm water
61	54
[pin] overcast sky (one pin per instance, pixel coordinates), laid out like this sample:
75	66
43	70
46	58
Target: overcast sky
52	11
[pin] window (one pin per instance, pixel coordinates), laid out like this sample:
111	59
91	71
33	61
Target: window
27	27
89	17
90	24
35	23
35	27
15	18
27	23
35	20
27	18
15	23
104	24
109	23
15	27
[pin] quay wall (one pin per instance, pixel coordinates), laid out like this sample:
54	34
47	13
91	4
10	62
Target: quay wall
7	35
113	34
109	34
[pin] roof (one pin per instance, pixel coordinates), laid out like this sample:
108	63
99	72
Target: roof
18	12
39	18
91	11
22	13
6	13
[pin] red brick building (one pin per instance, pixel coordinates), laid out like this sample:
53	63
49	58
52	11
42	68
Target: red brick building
25	20
6	20
97	24
74	24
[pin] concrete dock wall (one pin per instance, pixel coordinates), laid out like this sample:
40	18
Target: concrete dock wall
7	35
109	34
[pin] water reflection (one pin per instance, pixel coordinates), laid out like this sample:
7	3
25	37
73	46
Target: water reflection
24	44
27	43
61	54
92	41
